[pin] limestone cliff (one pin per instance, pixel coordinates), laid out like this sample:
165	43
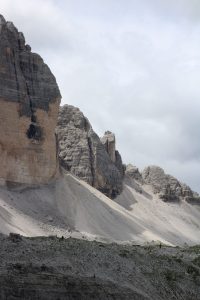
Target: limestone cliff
166	186
29	102
82	153
133	173
109	142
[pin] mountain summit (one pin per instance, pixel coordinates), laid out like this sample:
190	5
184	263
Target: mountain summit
29	103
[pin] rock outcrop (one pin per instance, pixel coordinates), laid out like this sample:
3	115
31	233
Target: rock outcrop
82	153
166	186
133	172
29	103
109	142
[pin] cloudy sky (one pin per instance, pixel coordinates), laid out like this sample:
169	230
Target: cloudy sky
132	66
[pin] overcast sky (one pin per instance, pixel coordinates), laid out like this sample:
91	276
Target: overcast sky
132	67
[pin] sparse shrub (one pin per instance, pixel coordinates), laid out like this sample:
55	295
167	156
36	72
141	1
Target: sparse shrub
177	259
170	275
195	249
15	237
192	270
124	253
196	261
44	268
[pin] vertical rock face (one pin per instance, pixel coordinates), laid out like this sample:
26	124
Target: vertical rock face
29	103
82	153
119	164
109	142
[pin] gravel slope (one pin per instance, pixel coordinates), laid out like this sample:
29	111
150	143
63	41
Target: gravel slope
70	207
56	268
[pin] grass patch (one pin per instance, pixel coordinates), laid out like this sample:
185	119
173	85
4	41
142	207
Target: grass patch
124	253
171	275
196	261
195	249
193	271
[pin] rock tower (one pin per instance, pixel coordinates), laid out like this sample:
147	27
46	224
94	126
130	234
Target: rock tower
29	104
82	153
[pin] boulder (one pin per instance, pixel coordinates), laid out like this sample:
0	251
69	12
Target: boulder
82	153
29	103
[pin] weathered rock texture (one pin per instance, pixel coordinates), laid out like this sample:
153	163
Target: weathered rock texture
29	102
133	172
112	272
109	142
82	153
166	186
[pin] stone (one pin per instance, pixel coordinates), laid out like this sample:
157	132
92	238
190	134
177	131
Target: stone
82	153
109	142
119	164
29	103
133	172
166	186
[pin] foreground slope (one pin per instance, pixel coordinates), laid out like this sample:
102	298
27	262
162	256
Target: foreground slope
71	207
52	268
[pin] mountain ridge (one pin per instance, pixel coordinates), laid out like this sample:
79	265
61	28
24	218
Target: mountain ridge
118	201
75	222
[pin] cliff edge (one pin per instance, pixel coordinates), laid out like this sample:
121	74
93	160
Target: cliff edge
29	103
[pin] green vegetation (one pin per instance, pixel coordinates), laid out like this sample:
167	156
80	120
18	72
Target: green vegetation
195	249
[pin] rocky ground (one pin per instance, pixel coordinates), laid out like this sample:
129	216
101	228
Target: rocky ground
57	268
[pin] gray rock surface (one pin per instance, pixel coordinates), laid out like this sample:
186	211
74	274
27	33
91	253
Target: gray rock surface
109	142
29	102
119	164
91	270
82	153
166	186
133	172
24	77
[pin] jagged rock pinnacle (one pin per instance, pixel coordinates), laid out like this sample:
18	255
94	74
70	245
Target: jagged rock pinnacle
82	153
2	20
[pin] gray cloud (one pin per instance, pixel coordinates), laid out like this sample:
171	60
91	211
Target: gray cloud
131	66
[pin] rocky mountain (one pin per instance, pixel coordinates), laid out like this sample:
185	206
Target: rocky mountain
109	142
83	154
29	103
96	229
133	173
166	186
